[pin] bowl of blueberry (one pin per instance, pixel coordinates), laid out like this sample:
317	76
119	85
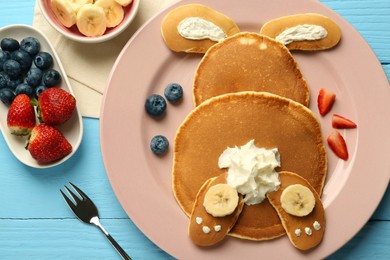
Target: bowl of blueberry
29	66
89	21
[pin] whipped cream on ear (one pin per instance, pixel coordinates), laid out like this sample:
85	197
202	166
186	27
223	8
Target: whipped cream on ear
251	170
196	28
303	32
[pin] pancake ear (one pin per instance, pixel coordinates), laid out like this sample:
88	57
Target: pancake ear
277	26
176	42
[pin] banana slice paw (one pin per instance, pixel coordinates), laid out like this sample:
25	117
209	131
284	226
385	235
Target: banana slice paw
205	229
221	200
297	200
64	12
305	226
91	20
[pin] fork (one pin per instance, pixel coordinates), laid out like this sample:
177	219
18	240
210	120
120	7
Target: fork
86	211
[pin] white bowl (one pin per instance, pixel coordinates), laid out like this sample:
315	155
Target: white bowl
74	34
72	129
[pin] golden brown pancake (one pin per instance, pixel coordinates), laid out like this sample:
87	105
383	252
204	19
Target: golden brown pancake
177	43
292	223
226	223
275	27
232	120
249	62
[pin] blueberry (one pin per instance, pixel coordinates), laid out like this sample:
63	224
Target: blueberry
23	58
43	60
173	92
38	90
24	88
4	55
34	77
4	79
30	45
12	68
159	144
155	105
51	78
7	96
9	44
13	83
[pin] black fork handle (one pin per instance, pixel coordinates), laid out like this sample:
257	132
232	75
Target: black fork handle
118	248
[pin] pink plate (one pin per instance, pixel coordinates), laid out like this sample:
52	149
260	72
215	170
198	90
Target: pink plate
142	181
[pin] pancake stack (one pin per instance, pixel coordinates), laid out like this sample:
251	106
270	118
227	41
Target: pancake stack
247	87
233	119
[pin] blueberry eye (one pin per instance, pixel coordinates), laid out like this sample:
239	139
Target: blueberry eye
173	92
159	144
155	105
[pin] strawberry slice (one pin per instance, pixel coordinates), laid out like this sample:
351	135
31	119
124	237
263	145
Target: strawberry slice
338	145
342	122
21	116
47	144
325	101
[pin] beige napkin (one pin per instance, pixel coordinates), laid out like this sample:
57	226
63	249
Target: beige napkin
88	65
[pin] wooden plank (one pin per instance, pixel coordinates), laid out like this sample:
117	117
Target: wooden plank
371	19
71	239
367	244
36	191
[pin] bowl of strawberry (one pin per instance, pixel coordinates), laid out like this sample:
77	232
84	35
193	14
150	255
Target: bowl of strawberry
39	118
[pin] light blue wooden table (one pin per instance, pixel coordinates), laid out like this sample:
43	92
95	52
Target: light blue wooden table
36	224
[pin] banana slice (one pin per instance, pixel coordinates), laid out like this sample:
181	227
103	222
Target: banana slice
76	4
124	3
297	200
221	200
81	2
113	11
64	12
91	20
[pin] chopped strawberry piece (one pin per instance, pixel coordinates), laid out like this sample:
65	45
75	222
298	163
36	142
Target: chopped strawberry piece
342	122
338	145
325	101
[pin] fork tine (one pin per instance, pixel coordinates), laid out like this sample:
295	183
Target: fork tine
74	196
68	201
82	194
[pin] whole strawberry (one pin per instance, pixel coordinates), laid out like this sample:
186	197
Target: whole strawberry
56	106
21	116
48	144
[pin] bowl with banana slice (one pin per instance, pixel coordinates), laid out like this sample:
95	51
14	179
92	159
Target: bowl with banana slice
89	21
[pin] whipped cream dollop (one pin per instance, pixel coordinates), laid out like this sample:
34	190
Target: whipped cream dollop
303	32
251	170
196	28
